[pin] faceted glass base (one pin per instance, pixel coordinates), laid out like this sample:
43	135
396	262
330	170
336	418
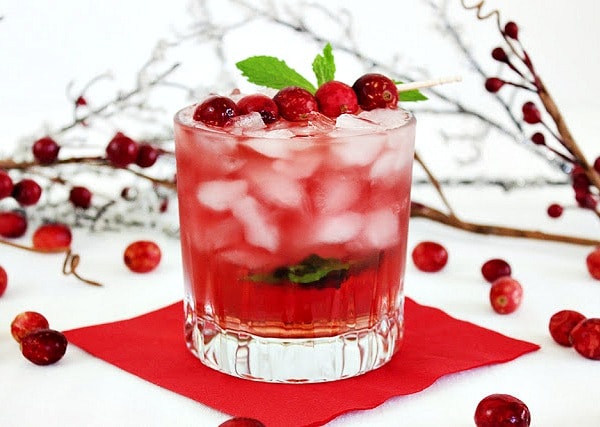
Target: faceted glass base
296	360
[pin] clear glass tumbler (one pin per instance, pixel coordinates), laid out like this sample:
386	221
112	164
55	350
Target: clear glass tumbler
294	245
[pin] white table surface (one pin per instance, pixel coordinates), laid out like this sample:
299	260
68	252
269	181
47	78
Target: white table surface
556	383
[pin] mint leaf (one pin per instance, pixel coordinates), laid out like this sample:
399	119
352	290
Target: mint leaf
272	72
410	95
324	66
311	270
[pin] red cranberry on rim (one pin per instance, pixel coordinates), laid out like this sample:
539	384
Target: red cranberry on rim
335	98
259	103
45	150
215	111
295	104
376	91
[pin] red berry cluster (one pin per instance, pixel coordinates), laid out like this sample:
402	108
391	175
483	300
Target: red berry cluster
26	192
123	151
39	344
570	328
296	104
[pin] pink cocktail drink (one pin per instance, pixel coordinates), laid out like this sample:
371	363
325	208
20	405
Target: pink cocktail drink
294	242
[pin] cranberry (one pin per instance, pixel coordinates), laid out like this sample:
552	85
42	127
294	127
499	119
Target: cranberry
80	197
121	150
502	410
585	338
259	103
44	347
52	237
554	210
579	179
27	192
3	280
499	55
506	295
494	269
494	84
80	101
6	185
12	224
562	323
146	156
597	164
511	30
531	114
538	138
295	103
429	256
26	322
593	263
142	256
375	91
242	422
215	111
45	150
585	199
335	98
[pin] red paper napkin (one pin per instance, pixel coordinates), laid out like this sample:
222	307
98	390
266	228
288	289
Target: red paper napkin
151	346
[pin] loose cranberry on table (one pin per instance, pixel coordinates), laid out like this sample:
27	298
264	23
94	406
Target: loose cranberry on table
502	410
429	257
3	280
585	338
375	91
27	322
242	422
562	323
505	295
52	237
12	224
593	263
335	98
44	346
142	256
495	268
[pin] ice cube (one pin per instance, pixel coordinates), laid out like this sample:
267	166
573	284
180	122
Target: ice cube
387	118
359	151
380	229
269	146
218	234
301	165
258	229
245	123
351	121
251	258
219	195
339	228
270	186
336	192
384	166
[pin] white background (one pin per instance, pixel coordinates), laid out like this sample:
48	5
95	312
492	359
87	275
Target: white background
45	45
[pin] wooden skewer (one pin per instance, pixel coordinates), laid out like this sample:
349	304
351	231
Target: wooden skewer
404	87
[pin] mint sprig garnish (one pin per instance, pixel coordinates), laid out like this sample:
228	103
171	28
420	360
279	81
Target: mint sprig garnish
272	72
311	270
324	66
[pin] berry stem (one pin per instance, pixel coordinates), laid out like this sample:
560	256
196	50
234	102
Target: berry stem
69	266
